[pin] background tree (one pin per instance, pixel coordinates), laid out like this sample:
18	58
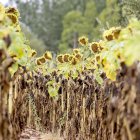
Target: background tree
77	23
110	13
130	8
45	18
89	23
35	43
59	23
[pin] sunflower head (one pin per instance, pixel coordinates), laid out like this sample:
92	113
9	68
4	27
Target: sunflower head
95	47
13	18
66	57
60	59
78	56
38	61
70	58
76	51
48	55
97	58
108	35
74	61
112	33
12	10
116	32
83	41
101	44
34	53
42	59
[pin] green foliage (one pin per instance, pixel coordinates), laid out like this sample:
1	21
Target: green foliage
90	12
35	43
130	9
53	88
131	44
47	19
76	24
110	15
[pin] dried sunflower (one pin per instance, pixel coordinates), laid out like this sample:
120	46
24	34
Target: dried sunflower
12	10
38	62
34	53
112	33
75	51
74	61
101	44
97	58
60	58
42	59
13	18
95	47
83	41
70	57
108	35
48	55
66	57
116	32
78	56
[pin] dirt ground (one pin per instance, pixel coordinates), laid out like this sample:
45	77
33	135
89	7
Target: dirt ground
31	134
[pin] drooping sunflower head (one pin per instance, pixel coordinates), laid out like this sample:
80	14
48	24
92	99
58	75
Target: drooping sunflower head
12	10
76	51
108	35
74	61
83	41
112	33
116	32
101	44
78	56
95	47
48	55
66	57
40	60
98	58
34	53
13	18
60	59
70	58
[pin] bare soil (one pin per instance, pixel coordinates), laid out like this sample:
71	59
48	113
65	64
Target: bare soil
32	134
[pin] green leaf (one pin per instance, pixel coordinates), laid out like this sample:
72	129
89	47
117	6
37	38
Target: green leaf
53	92
98	77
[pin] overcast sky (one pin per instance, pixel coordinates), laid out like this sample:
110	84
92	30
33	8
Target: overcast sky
6	3
3	1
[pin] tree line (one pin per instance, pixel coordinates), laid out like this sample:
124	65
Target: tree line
57	25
